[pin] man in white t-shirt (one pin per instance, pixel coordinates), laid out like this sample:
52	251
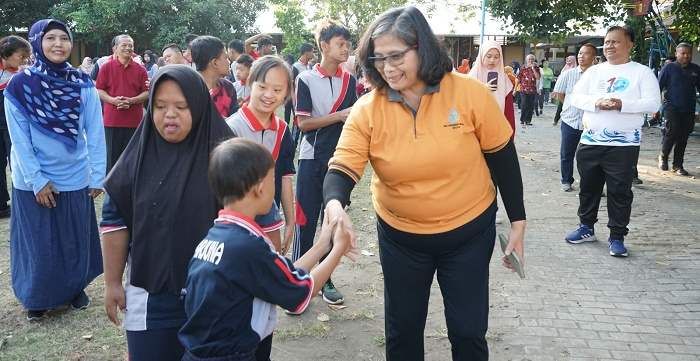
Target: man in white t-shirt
614	97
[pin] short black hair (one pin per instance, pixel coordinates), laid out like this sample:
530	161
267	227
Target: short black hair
264	41
685	45
629	33
329	29
410	26
237	45
204	49
305	48
236	166
246	60
589	45
12	44
173	46
118	38
263	65
189	38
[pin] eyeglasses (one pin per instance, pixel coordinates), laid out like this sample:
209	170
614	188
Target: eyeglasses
394	59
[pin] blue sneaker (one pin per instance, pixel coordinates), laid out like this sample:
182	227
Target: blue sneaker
617	247
582	234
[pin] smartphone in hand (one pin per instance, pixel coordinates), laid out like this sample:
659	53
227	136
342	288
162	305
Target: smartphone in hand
512	257
492	78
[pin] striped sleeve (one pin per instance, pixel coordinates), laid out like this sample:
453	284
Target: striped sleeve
277	281
111	221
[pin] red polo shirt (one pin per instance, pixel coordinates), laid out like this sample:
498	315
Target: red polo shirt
122	80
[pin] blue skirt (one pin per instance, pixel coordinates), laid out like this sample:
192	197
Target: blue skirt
54	252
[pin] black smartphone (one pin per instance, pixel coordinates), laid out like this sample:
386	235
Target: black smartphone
492	78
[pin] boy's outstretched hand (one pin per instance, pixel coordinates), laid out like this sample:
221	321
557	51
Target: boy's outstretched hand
343	238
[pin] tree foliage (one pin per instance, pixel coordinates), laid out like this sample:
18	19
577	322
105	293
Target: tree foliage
687	19
291	19
547	19
16	14
155	23
356	15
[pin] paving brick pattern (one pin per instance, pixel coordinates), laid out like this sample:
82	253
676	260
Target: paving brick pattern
579	303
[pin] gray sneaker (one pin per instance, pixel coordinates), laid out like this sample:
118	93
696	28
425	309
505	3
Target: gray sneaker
566	187
331	295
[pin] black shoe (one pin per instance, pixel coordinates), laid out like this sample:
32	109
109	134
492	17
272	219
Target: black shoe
680	171
5	212
81	301
35	315
637	181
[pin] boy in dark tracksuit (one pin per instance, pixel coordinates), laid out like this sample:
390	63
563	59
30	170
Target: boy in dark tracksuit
235	278
324	97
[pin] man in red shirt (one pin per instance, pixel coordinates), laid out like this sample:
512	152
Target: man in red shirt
121	84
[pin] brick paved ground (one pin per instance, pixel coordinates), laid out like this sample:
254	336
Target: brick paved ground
577	303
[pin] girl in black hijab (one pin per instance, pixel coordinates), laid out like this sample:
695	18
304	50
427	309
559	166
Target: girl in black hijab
158	207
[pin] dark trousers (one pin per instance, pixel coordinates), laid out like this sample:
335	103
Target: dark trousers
567	151
461	258
116	140
154	345
557	116
599	165
518	98
309	194
262	353
679	125
528	103
5	147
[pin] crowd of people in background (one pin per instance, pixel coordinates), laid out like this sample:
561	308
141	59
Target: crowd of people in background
204	201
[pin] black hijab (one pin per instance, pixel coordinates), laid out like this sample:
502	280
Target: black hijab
161	188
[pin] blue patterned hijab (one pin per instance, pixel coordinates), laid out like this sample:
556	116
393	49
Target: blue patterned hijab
48	94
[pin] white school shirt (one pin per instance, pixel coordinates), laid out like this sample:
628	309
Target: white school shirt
634	84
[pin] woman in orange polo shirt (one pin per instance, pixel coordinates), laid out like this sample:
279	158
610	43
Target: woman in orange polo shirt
430	135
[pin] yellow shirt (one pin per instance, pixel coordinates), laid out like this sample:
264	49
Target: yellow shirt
430	175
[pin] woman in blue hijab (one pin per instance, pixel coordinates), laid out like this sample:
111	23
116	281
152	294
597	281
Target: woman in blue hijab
58	162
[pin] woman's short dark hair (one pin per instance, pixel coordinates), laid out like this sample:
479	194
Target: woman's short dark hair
409	25
629	33
236	166
12	44
204	49
263	65
246	60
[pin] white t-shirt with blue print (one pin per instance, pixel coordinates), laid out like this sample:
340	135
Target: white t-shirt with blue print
634	84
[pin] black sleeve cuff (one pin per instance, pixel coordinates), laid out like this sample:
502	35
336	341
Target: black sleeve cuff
337	185
505	172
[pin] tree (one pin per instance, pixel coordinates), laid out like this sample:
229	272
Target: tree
291	19
16	14
687	15
356	15
158	22
542	19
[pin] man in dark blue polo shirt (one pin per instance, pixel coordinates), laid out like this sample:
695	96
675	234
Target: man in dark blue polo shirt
680	80
324	96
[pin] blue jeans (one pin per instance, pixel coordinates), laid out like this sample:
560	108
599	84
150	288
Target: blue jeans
570	138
